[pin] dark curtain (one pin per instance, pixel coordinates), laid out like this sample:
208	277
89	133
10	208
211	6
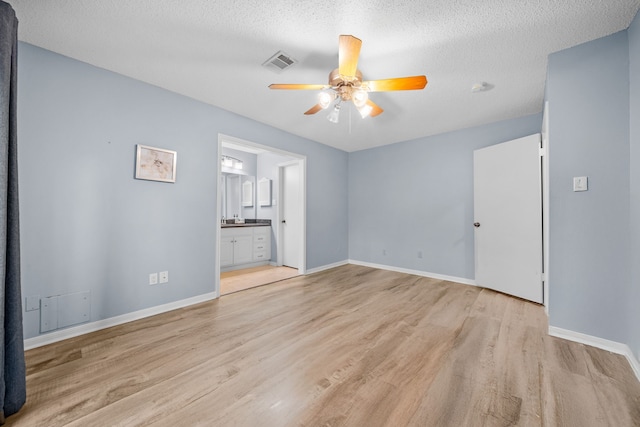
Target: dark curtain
12	366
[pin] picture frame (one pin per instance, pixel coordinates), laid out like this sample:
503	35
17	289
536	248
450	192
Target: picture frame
155	164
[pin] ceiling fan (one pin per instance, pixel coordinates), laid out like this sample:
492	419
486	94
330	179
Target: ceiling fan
346	84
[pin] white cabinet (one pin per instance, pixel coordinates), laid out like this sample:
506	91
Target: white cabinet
242	249
261	243
244	245
236	246
226	250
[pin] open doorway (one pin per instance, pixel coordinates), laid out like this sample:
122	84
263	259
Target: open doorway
250	213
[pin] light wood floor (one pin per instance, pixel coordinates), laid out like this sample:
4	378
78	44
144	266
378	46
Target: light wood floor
239	280
351	346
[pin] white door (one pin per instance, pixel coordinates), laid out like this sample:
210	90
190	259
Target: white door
290	221
508	218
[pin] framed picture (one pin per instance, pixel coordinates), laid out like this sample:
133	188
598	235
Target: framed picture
155	164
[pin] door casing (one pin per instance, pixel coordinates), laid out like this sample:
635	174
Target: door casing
302	161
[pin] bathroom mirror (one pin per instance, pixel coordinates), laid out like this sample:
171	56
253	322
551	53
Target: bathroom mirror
247	194
238	196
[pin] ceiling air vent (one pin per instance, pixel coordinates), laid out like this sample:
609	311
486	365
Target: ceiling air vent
279	62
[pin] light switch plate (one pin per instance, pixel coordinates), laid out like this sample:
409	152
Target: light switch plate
580	183
153	278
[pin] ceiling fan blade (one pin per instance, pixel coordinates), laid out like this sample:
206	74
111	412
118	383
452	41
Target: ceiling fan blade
297	86
375	109
313	110
348	53
399	83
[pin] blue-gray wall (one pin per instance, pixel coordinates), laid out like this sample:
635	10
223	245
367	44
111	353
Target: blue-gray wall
634	138
86	224
418	196
589	266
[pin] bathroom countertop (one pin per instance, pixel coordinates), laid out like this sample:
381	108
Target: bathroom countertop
253	223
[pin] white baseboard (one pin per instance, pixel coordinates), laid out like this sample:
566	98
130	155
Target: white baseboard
327	267
462	280
612	346
85	328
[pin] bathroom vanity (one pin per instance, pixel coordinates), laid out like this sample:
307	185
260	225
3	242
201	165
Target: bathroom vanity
245	245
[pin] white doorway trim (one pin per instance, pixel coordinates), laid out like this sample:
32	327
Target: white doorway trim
302	161
545	205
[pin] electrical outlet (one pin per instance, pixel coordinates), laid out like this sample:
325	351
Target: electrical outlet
153	278
164	276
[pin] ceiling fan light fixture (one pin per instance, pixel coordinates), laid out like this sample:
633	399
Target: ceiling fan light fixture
334	115
346	84
365	110
324	99
360	98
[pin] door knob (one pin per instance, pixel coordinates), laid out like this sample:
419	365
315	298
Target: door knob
284	222
476	224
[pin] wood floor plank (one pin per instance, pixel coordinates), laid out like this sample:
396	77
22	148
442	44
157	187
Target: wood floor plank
350	346
465	385
239	280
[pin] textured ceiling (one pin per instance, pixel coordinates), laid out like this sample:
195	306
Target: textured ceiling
213	51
